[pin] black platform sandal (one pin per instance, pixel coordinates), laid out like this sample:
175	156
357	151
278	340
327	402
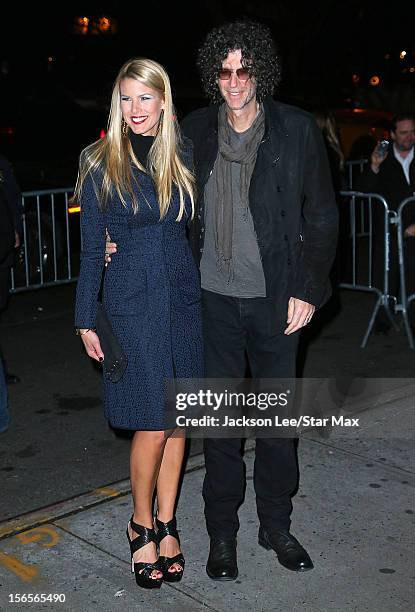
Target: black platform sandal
163	530
143	570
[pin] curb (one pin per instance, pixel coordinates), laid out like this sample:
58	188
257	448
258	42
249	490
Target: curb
79	503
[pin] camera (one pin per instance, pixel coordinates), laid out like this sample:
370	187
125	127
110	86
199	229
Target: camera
382	148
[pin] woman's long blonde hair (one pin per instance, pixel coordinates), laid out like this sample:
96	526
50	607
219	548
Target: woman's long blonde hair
327	124
112	155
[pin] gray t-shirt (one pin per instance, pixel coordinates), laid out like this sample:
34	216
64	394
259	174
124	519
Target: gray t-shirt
248	276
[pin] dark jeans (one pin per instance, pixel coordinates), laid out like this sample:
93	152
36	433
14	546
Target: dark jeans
237	329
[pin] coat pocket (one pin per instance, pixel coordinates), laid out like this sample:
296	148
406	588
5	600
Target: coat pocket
125	290
184	277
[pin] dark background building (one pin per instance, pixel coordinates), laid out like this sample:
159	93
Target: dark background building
57	65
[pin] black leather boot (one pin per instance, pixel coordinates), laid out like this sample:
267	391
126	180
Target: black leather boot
289	551
222	564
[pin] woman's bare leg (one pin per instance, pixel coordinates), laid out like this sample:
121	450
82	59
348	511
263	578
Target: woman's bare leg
145	459
167	486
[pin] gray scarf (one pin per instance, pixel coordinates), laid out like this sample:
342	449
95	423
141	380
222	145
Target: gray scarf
245	155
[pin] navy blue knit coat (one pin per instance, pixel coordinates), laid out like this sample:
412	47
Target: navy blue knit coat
151	294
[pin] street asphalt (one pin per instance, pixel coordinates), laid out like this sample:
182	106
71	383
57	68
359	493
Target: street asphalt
65	496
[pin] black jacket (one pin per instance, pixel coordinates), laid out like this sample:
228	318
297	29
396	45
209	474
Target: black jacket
11	211
7	237
390	182
291	199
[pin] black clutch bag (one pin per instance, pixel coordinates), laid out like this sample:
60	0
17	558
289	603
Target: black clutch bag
115	360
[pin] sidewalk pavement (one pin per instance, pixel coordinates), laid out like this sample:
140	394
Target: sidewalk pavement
354	512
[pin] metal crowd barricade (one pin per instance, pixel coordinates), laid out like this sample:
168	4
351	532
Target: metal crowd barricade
47	256
362	259
351	166
355	167
51	245
52	241
405	300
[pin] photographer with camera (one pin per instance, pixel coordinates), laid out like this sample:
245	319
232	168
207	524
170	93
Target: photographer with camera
392	169
391	174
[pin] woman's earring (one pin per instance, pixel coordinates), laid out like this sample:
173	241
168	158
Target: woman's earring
124	127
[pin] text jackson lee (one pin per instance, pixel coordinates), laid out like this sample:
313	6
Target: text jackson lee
276	421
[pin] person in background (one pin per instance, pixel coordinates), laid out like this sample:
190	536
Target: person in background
391	174
11	216
327	124
137	183
7	242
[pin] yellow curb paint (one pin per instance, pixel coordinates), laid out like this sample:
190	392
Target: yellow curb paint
25	572
107	492
6	531
38	534
13	526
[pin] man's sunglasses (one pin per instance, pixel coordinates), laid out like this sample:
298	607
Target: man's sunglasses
243	74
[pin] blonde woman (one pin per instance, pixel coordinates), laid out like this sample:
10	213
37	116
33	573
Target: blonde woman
327	124
137	184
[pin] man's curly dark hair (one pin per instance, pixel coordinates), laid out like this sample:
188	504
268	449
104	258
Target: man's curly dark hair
257	48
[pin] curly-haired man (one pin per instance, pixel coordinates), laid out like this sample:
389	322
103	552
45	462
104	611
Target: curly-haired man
265	233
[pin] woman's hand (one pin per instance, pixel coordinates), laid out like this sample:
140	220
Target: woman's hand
110	248
92	345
